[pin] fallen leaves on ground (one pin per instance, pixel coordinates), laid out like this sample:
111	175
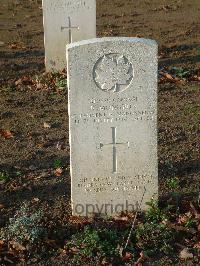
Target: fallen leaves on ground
7	252
166	76
17	46
26	80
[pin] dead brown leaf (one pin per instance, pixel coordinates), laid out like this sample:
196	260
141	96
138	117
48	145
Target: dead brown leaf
105	262
46	125
7	134
39	86
168	76
1	244
15	46
24	81
180	82
77	220
197	245
18	247
1	207
194	211
8	260
40	145
141	259
58	171
180	228
183	218
34	200
199	227
194	78
74	250
127	256
185	254
18	82
121	218
51	242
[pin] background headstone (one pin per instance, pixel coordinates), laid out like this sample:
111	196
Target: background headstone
113	124
66	21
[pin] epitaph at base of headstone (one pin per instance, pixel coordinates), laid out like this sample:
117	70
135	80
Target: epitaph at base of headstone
113	124
66	21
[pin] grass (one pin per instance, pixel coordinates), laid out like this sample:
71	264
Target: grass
57	164
4	177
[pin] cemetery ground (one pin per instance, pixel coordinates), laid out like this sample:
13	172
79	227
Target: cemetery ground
36	226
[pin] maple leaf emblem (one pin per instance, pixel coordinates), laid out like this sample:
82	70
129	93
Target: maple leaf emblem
113	72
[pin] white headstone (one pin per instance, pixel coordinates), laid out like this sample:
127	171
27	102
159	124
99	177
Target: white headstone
113	124
66	21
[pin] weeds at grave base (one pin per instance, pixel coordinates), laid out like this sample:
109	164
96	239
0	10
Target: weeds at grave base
157	232
155	214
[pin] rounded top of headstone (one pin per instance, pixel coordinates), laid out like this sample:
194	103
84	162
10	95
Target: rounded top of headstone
148	42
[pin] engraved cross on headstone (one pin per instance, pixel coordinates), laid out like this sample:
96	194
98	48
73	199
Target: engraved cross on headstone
70	28
114	145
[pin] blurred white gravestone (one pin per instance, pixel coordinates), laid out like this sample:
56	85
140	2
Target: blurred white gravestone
66	21
113	124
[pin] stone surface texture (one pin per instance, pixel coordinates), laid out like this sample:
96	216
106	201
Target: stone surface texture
57	16
112	85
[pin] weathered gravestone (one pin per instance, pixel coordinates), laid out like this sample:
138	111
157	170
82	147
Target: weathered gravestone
113	124
66	21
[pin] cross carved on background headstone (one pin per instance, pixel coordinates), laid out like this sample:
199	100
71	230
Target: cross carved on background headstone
70	28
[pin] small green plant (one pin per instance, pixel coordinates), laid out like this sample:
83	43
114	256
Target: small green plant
25	226
61	82
99	242
190	223
57	164
181	72
4	177
173	183
198	49
154	237
156	214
